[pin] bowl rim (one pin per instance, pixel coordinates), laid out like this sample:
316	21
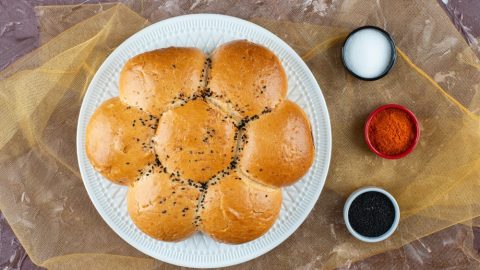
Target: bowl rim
363	238
393	51
414	120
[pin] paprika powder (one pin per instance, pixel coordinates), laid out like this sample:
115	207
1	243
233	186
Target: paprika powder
391	131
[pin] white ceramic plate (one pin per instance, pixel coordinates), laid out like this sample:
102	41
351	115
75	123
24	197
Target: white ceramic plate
207	31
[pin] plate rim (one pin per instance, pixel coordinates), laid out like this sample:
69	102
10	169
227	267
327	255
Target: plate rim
323	174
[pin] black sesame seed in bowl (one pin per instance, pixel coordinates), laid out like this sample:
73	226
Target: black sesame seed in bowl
371	214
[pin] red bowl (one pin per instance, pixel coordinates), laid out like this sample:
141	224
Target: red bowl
412	118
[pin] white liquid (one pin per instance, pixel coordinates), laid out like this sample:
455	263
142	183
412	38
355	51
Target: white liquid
367	53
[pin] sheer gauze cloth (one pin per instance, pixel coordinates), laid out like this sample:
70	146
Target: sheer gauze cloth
437	76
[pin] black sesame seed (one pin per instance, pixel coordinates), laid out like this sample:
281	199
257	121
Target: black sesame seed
371	214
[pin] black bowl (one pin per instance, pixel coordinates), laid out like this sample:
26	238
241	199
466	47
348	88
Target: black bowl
393	58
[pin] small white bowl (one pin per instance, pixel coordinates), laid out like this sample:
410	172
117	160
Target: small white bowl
382	237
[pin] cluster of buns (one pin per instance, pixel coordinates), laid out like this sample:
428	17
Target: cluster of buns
203	144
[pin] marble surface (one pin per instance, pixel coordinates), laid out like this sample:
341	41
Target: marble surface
19	35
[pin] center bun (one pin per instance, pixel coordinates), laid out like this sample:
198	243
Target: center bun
195	141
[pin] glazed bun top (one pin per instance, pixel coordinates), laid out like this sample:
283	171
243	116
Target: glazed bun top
278	148
246	79
156	80
237	210
195	141
117	143
162	207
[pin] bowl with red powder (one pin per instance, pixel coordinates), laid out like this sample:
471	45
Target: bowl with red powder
392	131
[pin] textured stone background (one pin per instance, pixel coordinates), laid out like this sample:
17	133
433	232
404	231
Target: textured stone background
19	35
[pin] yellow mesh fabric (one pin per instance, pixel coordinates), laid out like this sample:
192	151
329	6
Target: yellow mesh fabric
437	76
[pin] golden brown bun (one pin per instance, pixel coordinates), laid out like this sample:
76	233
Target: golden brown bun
162	208
196	140
117	143
171	136
279	147
246	77
153	80
238	210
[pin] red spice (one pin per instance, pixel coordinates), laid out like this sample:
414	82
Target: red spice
391	131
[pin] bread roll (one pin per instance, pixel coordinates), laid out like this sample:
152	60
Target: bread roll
118	140
238	210
195	141
278	148
162	207
247	78
203	144
154	80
